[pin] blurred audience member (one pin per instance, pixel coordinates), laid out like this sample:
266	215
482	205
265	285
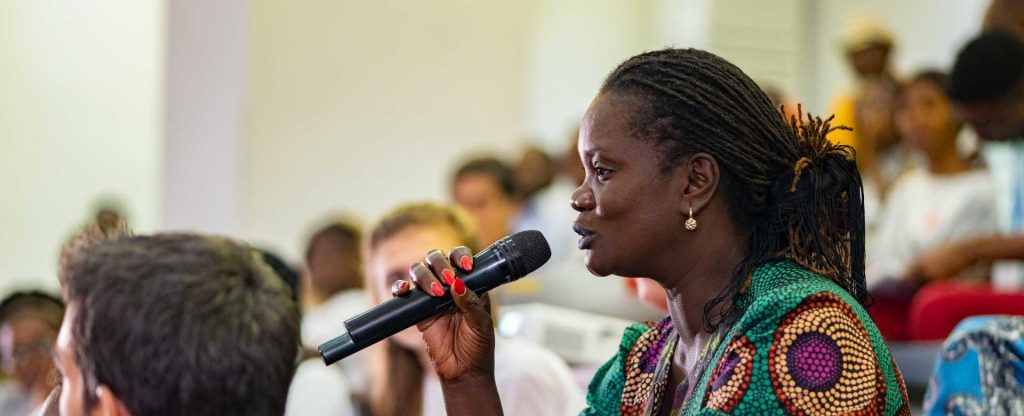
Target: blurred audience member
868	108
868	46
980	369
174	324
530	379
544	208
943	200
881	156
29	323
316	389
108	218
987	88
335	271
533	172
486	189
1006	16
651	294
571	166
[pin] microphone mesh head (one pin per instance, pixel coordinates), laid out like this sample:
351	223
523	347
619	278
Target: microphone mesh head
533	249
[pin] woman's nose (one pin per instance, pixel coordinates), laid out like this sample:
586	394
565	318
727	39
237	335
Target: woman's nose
582	199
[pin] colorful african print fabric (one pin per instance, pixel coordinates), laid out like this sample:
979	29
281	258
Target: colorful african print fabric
980	370
802	346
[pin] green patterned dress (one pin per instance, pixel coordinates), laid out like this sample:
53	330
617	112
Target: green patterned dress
802	346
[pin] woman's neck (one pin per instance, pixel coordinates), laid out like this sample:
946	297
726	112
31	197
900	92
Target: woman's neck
695	286
947	162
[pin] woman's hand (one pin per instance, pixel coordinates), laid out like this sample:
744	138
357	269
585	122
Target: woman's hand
460	342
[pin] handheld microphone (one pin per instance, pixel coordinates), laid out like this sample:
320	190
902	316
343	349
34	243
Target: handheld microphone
504	261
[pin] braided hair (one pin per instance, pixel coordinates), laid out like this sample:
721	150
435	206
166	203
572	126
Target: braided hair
794	193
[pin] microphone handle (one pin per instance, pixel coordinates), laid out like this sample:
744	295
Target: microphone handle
492	268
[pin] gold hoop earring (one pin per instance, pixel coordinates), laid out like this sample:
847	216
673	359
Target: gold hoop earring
691	223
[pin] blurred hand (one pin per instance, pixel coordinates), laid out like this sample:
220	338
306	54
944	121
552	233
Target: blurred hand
943	262
460	342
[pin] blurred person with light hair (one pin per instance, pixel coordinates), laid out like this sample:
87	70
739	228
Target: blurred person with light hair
29	323
533	380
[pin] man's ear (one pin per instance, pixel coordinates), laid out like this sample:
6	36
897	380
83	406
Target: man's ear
702	178
107	404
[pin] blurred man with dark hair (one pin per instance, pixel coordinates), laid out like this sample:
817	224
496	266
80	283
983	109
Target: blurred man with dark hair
1006	16
335	281
29	323
533	172
485	188
174	324
986	86
333	256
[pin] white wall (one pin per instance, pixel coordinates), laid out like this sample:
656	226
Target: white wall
79	118
765	39
202	136
356	106
573	45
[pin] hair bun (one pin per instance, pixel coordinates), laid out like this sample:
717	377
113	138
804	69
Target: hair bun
819	202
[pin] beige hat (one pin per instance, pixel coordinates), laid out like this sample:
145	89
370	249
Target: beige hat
865	31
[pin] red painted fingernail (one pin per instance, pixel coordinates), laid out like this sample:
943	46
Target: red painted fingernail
458	287
448	276
466	262
437	289
399	287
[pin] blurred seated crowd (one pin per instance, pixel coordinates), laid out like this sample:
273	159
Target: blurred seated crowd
188	322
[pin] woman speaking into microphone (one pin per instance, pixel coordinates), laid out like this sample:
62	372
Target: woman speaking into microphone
752	224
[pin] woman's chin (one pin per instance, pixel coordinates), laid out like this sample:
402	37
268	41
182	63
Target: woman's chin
594	264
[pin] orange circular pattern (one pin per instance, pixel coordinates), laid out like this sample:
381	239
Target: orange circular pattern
822	362
731	377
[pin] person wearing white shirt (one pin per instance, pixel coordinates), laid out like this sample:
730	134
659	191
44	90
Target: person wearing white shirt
945	200
315	389
987	90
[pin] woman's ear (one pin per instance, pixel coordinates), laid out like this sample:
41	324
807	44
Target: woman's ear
107	404
702	179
